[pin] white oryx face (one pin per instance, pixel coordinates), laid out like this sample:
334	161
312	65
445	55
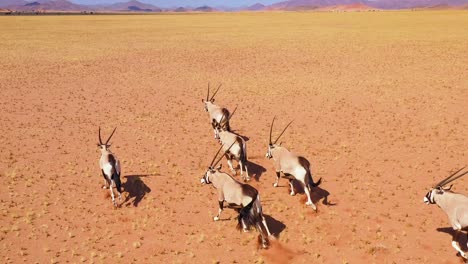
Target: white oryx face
207	103
103	147
206	179
269	155
430	196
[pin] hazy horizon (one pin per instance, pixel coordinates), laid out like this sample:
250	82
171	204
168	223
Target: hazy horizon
194	3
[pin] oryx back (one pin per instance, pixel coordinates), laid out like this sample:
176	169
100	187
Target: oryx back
237	151
233	191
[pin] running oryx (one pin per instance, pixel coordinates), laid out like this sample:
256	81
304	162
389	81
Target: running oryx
292	166
455	205
110	167
239	196
238	151
216	112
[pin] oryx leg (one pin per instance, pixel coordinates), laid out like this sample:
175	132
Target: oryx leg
309	200
244	226
456	245
277	179
216	218
112	192
118	185
243	166
265	225
292	187
229	161
262	234
106	180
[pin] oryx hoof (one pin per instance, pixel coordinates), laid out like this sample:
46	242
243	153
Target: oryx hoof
234	172
246	230
216	218
265	245
465	256
104	187
292	193
275	184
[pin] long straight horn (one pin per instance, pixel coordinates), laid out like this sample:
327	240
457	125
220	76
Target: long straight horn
454	178
100	140
208	94
216	92
216	163
110	136
211	164
271	128
282	132
444	181
229	117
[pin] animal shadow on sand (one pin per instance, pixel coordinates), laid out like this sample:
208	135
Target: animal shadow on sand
317	194
136	189
462	239
255	169
275	226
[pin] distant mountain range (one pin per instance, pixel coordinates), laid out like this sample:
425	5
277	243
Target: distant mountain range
293	5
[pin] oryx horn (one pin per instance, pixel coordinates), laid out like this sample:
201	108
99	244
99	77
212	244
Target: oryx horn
211	164
271	128
216	163
208	94
449	179
100	140
282	132
110	136
215	92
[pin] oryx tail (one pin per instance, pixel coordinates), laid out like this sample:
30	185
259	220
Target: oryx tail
224	122
252	216
243	153
308	178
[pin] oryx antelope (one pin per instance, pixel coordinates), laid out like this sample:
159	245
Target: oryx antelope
455	205
292	166
216	112
238	151
239	196
110	167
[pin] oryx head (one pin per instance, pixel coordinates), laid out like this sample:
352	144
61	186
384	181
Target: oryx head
440	189
210	100
104	146
212	169
272	144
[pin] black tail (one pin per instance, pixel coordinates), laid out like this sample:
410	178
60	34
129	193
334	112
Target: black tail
225	120
252	216
243	155
309	181
118	183
247	216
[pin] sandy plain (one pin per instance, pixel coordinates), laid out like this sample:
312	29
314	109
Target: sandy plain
378	99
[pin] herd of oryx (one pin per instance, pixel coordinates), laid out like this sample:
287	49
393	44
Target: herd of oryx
245	199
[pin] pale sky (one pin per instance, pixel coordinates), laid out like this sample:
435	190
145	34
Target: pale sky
176	3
